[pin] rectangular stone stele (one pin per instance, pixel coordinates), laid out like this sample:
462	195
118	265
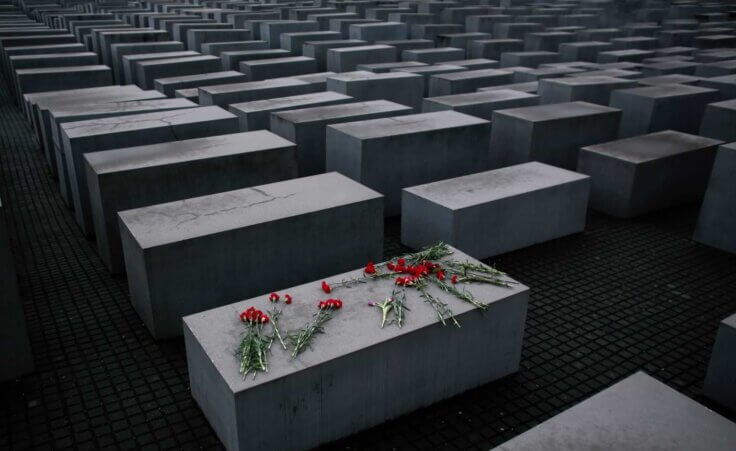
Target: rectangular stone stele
498	211
187	256
551	134
15	349
134	177
96	135
256	115
720	381
393	153
717	219
637	414
480	104
307	127
252	90
365	374
633	176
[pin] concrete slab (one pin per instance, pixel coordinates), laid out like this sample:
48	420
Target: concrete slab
256	115
717	218
634	176
352	353
494	212
381	153
217	243
134	177
400	87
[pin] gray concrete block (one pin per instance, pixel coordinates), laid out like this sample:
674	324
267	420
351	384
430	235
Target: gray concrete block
134	177
342	25
400	87
433	55
486	347
632	55
381	153
318	49
720	381
96	135
467	81
480	104
551	134
726	85
294	42
256	115
62	78
634	176
169	85
592	89
382	68
583	51
217	48
636	414
665	107
117	51
494	212
717	219
719	121
271	30
672	79
231	59
528	59
380	31
191	255
15	348
257	70
407	44
252	90
346	59
307	127
129	62
148	71
197	37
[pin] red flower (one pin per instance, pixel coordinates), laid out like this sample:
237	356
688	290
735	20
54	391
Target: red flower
390	266
370	268
287	298
253	316
274	297
441	275
330	304
401	261
326	288
454	279
405	281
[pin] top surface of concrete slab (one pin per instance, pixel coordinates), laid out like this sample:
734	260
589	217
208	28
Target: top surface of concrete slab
557	111
171	222
354	327
636	414
663	91
474	98
654	146
408	124
337	111
483	187
142	121
128	158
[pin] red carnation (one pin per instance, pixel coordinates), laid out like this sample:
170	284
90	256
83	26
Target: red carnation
326	288
287	298
454	279
401	261
370	268
441	275
390	266
274	297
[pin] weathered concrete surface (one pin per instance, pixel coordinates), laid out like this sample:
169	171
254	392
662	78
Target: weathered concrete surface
361	371
717	220
191	255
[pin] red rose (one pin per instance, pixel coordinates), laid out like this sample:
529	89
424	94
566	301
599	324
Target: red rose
274	297
287	298
326	288
454	279
370	268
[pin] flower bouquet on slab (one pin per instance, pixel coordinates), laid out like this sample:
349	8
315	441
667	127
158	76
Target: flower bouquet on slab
417	271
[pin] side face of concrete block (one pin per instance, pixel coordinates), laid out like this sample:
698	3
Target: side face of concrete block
720	381
717	220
